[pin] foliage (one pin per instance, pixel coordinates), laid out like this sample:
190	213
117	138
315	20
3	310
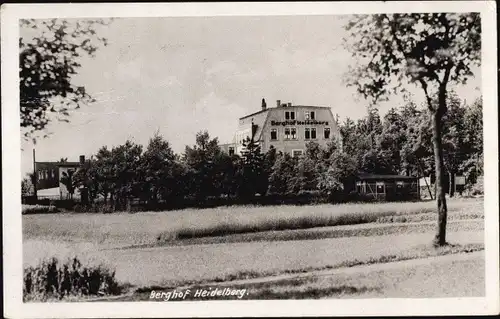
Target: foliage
201	160
38	209
68	181
27	185
432	50
253	177
52	279
49	57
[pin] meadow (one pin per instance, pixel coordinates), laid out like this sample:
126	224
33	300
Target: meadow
130	229
228	243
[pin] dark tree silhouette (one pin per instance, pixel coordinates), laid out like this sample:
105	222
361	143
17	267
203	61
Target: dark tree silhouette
49	54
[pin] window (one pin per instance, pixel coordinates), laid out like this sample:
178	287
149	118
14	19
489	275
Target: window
297	153
274	134
293	131
287	133
40	174
358	187
231	150
313	115
307	133
313	133
289	115
380	188
307	115
327	132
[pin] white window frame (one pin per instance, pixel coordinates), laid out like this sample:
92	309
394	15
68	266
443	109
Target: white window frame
292	135
307	115
287	136
307	130
313	115
276	131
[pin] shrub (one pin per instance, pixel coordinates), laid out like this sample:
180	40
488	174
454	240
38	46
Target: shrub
39	209
94	208
54	280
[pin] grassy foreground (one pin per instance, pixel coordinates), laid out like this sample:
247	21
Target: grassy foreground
301	283
124	229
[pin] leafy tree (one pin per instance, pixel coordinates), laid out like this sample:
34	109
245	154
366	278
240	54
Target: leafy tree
282	174
27	185
454	147
200	160
49	57
472	166
254	179
337	173
156	170
432	50
85	178
68	181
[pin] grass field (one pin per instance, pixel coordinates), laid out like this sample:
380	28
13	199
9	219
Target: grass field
125	229
198	245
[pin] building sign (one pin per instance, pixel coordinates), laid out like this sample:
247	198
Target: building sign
294	122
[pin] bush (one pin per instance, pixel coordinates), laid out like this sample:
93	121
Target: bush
94	208
39	209
54	280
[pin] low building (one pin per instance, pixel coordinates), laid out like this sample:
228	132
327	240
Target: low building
387	187
286	127
49	174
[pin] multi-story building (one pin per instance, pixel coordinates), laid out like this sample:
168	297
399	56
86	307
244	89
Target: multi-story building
287	128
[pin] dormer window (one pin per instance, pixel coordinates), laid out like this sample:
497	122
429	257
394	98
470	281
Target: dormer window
289	115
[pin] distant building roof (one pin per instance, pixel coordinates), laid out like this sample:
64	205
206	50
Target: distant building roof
70	164
284	107
367	176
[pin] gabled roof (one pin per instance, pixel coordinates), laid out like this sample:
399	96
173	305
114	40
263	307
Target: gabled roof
253	114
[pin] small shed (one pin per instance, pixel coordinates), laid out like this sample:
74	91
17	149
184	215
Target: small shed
387	187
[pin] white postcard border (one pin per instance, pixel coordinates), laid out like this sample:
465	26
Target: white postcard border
12	235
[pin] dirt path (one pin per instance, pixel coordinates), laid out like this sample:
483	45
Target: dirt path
362	269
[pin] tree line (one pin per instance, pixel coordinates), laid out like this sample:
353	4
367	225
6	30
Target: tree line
400	142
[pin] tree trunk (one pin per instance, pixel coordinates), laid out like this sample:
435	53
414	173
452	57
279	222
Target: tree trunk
440	238
451	187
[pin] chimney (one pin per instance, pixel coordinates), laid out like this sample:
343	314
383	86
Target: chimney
289	104
264	105
82	159
278	103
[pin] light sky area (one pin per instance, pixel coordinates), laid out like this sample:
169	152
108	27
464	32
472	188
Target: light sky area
182	75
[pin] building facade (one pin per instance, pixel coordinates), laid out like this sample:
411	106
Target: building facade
287	128
49	174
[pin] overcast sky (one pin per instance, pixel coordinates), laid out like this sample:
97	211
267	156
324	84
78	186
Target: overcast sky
183	75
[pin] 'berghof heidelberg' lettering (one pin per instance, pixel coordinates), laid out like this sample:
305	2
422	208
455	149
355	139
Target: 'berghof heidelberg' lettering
295	122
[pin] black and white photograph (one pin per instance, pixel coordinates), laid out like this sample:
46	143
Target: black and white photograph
211	159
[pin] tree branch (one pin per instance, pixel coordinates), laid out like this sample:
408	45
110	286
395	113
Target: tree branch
427	97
